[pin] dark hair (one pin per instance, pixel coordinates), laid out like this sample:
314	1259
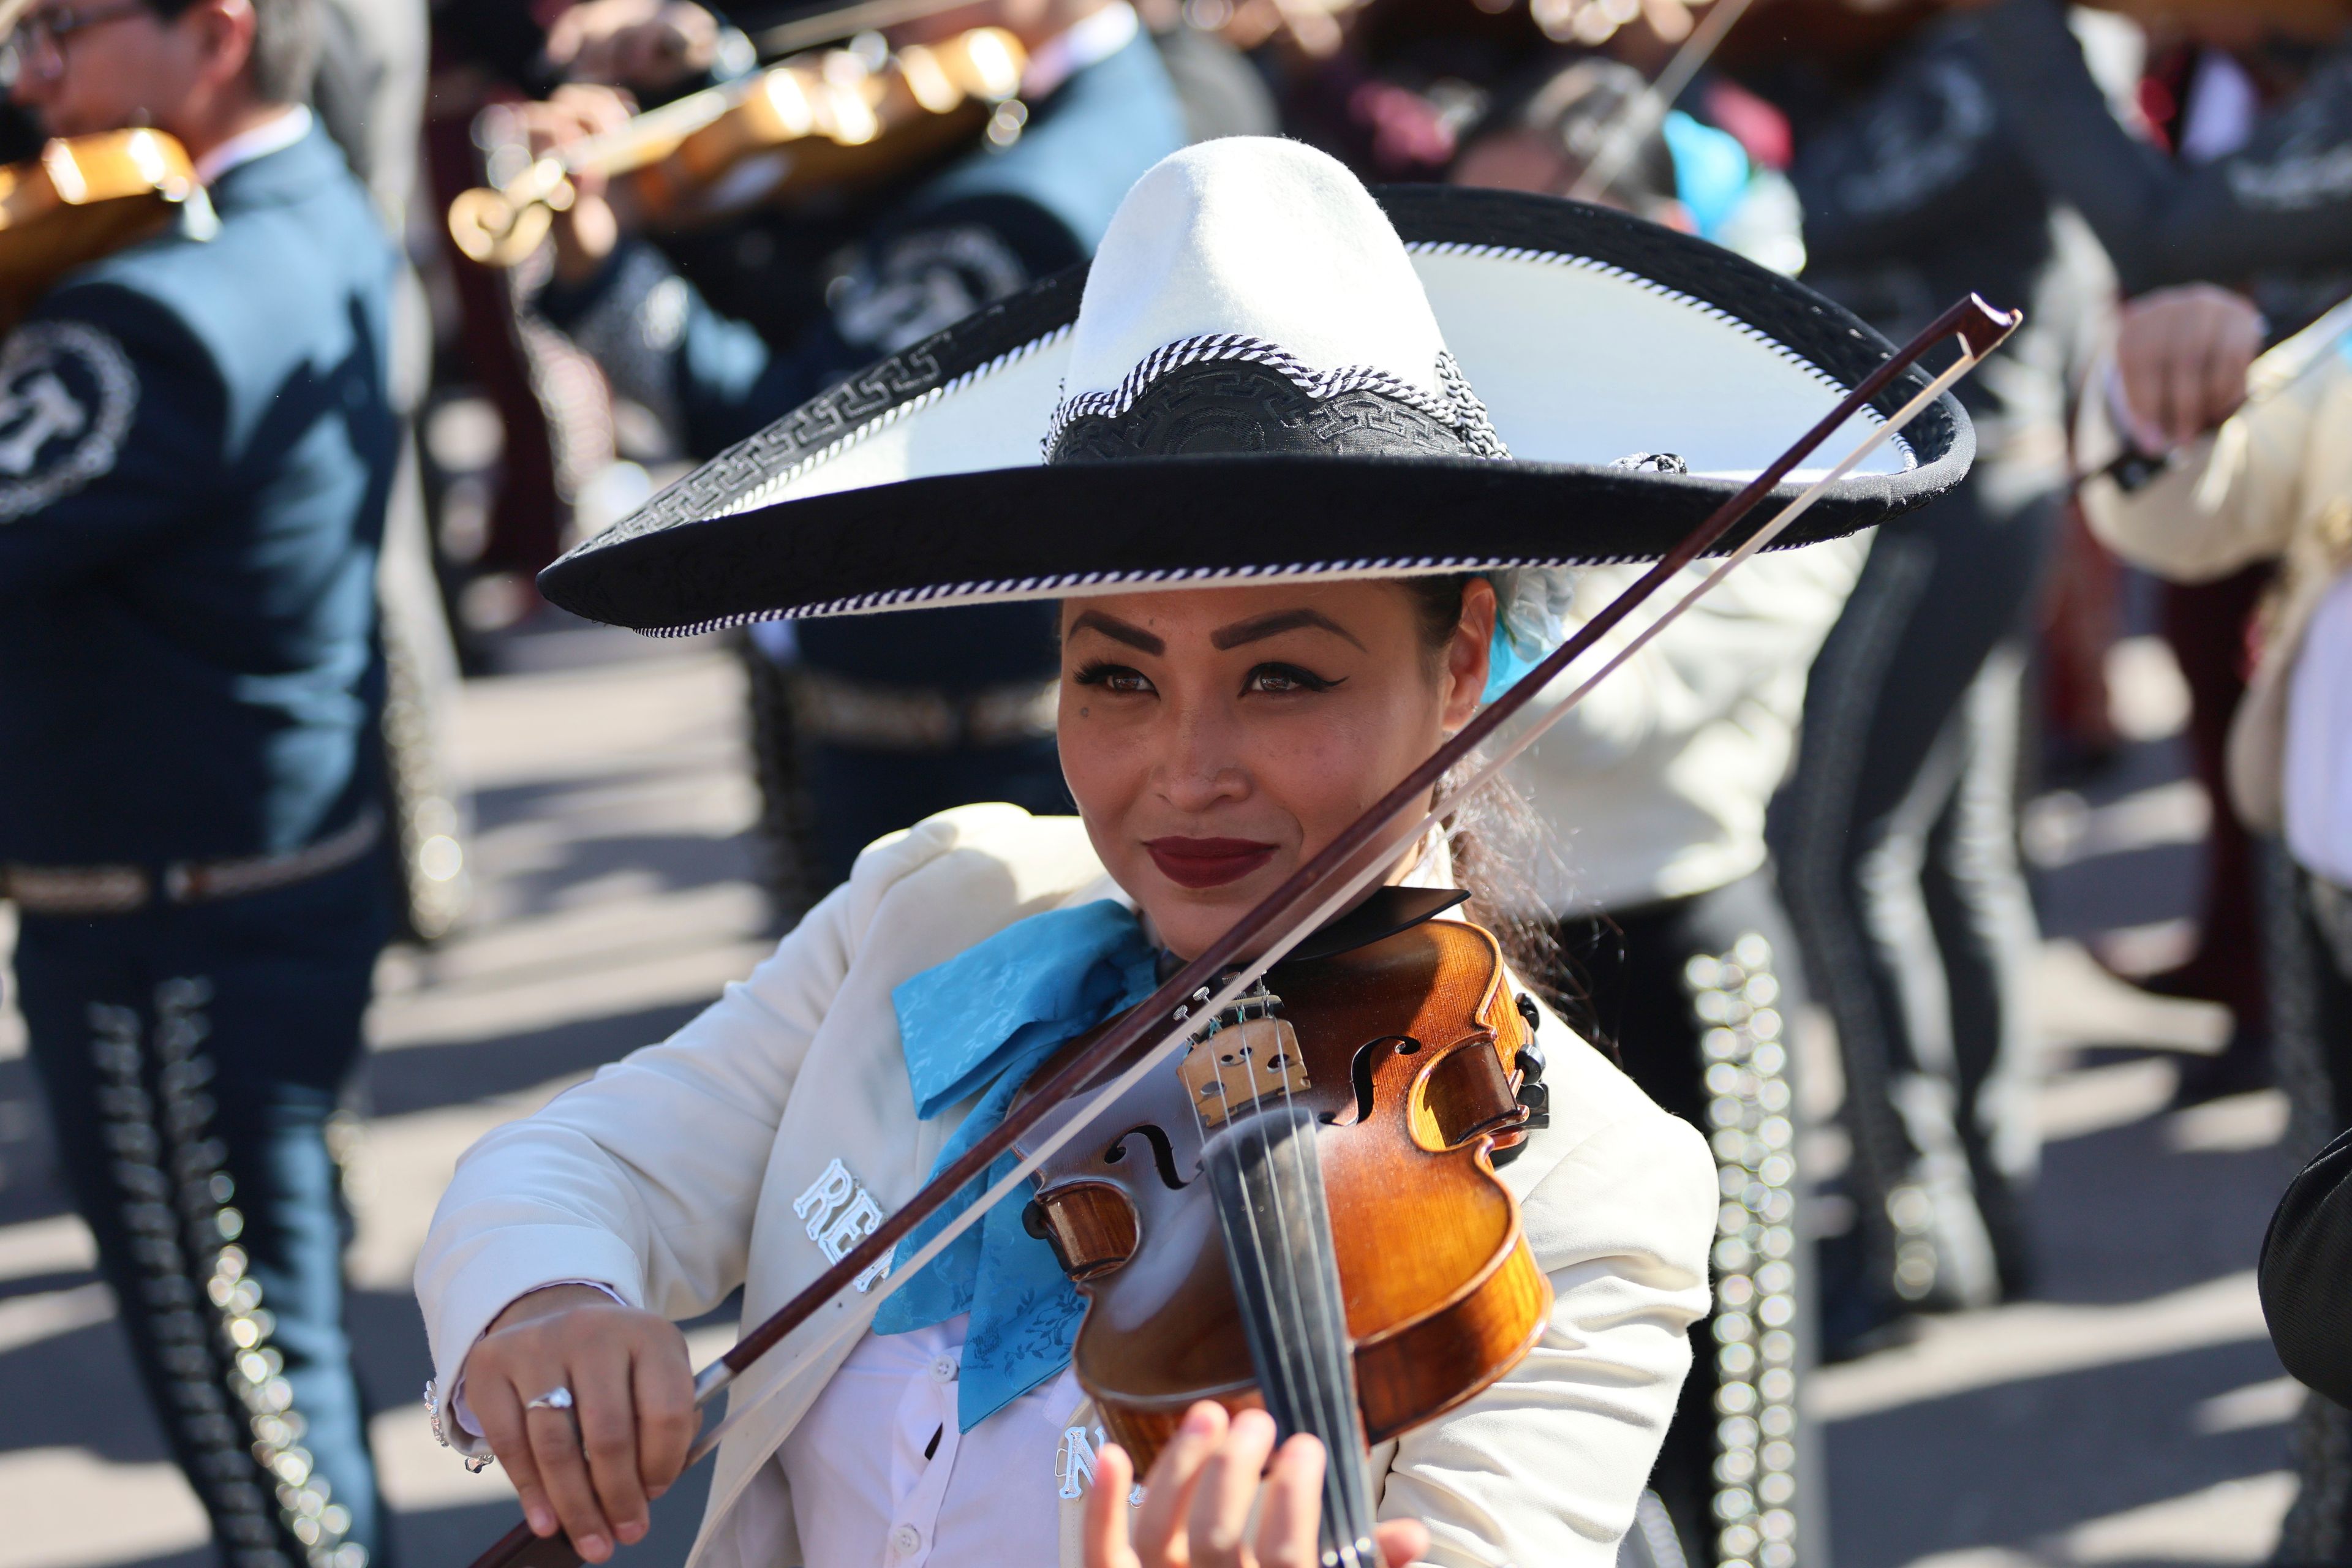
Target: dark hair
1495	835
287	37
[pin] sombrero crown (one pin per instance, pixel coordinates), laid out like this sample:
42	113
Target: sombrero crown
1268	372
1252	297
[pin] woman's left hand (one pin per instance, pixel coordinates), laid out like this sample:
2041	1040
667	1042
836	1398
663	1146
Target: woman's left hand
1196	1502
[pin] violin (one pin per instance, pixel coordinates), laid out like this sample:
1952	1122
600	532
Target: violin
82	198
1304	1216
825	121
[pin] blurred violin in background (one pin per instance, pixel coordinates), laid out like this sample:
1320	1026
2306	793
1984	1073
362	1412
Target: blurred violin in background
824	120
82	198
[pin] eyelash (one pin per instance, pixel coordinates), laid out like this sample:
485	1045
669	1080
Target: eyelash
1102	672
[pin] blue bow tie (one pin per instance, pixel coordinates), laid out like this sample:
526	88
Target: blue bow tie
981	1024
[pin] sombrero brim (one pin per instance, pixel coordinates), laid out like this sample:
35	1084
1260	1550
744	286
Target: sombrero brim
1590	336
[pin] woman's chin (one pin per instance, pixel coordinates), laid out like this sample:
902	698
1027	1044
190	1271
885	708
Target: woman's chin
1188	919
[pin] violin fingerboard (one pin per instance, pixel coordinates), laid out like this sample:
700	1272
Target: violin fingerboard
1277	1232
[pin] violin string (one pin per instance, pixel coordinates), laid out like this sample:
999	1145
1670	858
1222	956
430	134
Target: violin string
1289	1360
1343	889
1300	1371
1293	1366
1337	1498
1283	1359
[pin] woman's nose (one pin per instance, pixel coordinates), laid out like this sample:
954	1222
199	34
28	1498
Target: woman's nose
1200	766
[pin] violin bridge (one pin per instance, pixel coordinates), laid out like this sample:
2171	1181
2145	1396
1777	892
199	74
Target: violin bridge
1242	1061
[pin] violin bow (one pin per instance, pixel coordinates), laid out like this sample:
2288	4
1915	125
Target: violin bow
1319	889
844	22
1645	113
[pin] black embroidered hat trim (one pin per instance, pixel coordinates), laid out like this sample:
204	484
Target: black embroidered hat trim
1225	394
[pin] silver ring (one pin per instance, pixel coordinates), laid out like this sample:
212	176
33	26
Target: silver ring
556	1398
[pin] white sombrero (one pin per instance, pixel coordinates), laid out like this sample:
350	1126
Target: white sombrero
1270	370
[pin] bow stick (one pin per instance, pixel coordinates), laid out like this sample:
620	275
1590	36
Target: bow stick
1646	113
1319	889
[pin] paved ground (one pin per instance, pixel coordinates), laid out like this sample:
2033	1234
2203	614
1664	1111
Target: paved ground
2133	1414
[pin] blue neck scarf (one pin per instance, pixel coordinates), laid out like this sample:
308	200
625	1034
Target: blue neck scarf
981	1024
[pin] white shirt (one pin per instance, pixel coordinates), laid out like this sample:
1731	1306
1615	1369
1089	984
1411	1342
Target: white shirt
2224	104
2318	764
866	1496
276	134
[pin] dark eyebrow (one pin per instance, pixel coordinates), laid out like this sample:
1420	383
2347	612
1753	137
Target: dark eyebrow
1274	624
1118	631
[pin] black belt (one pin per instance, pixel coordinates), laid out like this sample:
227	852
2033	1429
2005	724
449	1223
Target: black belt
854	714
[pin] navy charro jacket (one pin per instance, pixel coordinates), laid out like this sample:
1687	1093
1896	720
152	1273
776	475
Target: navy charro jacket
1916	190
196	443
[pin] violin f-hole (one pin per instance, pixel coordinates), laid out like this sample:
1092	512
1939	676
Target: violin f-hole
1163	1156
1465	1093
1360	1070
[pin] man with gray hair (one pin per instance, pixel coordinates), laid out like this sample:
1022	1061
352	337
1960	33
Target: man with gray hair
196	442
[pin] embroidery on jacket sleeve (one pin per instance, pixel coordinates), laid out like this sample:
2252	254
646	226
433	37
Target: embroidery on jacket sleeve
67	393
924	282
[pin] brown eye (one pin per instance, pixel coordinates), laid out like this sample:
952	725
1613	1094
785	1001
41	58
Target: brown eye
1284	680
1118	678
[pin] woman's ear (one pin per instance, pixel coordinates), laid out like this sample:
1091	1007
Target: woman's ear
1466	656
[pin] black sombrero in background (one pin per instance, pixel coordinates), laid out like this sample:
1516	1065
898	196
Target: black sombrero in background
1263	382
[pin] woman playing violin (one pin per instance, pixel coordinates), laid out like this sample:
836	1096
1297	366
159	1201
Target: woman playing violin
1257	367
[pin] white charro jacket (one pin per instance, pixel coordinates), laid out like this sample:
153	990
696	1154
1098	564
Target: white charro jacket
674	1174
1656	786
2274	482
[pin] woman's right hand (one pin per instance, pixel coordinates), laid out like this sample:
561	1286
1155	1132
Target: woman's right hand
1203	1489
592	1468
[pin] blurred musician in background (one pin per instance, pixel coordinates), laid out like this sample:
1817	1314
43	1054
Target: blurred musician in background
196	442
368	95
2261	193
2266	477
1896	837
1655	791
2240	174
885	726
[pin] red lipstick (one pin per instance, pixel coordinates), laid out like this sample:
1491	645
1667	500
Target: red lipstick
1207	862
